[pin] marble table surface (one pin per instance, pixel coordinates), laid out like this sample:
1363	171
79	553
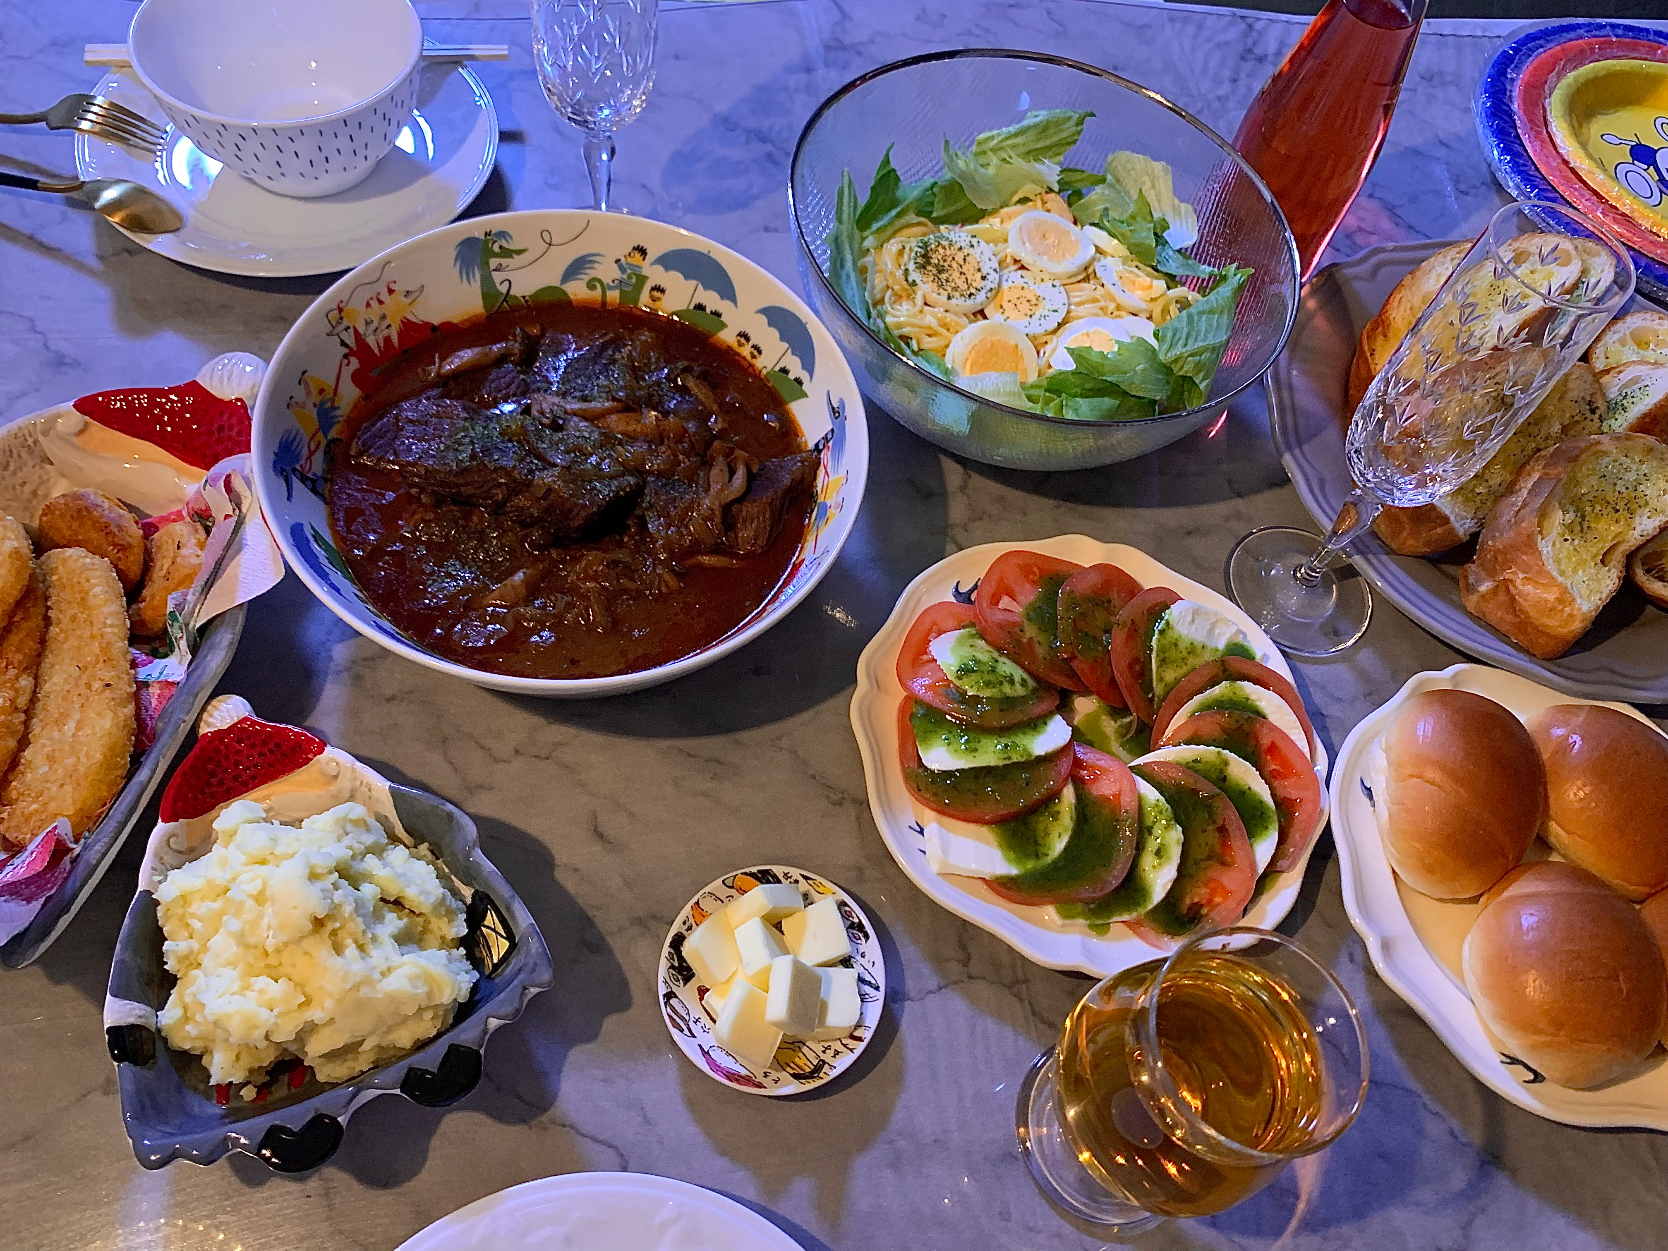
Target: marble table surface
607	815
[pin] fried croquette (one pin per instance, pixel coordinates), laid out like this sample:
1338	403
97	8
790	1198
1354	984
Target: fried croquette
17	562
20	655
174	554
79	733
96	523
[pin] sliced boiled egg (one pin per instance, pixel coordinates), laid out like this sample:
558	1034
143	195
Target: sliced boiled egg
1049	245
954	270
1027	304
1104	242
992	347
1103	334
1133	290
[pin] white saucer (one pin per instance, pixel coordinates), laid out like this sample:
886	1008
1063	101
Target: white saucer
621	1211
441	161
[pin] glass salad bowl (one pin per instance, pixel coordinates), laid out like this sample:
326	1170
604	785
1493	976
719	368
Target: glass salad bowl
911	109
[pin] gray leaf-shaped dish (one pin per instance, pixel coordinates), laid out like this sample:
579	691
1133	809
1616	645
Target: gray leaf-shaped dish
1623	657
168	1106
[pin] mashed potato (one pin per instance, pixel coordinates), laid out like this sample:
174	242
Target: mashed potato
330	942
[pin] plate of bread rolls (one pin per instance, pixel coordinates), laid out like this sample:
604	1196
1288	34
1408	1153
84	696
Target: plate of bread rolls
1504	854
1552	561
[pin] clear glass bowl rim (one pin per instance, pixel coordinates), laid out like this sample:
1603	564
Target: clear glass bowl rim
1211	405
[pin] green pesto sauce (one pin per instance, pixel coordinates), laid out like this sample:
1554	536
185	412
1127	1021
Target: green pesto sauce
972	747
979	669
1030	841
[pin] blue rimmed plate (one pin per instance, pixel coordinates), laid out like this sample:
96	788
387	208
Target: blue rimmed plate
1496	111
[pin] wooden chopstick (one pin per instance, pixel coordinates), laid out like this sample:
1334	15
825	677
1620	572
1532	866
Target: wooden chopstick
115	54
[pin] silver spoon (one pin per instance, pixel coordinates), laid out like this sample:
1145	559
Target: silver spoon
125	203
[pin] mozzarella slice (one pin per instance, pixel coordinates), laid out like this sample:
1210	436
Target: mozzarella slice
1263	827
954	270
978	668
965	857
1189	635
992	347
967	747
1027	304
1248	697
1049	245
1101	333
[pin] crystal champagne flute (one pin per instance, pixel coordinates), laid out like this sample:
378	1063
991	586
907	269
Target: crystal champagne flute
596	64
1520	309
1185	1085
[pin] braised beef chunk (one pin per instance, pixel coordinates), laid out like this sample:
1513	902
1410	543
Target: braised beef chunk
487	388
562	481
682	520
751	522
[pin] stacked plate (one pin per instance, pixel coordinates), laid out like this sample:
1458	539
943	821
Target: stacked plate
1547	144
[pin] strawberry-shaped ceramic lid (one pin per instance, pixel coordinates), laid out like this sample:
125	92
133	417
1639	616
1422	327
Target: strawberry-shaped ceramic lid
235	753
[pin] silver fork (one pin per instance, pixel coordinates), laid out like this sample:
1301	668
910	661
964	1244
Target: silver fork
97	115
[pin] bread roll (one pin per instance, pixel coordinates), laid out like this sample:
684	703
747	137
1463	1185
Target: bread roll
1648	567
1607	794
1654	912
1555	548
1566	974
1466	793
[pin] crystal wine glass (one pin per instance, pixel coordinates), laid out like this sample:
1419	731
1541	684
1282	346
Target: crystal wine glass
1525	302
1183	1086
596	65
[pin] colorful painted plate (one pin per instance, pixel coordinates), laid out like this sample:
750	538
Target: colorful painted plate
1496	111
1624	656
1534	89
620	1211
1414	941
440	162
800	1064
1610	121
1037	933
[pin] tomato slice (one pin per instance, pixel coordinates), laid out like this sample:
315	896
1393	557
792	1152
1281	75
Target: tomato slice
982	796
921	676
1132	644
1230	669
1101	848
1090	601
1218	870
1270	750
1018	606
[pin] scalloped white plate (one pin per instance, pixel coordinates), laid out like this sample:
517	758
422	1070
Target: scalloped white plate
1037	933
1415	941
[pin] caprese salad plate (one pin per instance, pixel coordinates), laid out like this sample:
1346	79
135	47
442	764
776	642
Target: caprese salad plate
1085	753
1415	942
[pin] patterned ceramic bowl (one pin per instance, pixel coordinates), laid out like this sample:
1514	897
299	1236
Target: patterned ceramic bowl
303	97
463	270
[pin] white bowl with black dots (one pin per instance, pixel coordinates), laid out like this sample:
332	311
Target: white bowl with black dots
302	98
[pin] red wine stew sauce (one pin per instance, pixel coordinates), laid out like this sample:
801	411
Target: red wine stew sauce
569	491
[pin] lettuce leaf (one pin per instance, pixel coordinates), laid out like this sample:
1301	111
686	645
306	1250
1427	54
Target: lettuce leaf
1134	366
845	245
1004	388
1138	230
1043	135
891	201
994	185
1192	342
1075	183
1141	175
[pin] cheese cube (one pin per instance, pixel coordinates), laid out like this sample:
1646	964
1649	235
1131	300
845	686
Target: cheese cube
818	934
758	945
839	1006
714	1002
741	1028
711	950
770	902
794	1003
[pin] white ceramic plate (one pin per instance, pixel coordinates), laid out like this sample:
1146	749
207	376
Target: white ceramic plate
440	161
619	1211
800	1064
1036	932
1415	941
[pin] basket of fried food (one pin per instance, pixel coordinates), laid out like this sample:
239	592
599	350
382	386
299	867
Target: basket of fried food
1572	506
125	560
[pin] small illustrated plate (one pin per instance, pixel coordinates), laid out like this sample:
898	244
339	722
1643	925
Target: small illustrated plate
619	1211
800	1064
1610	120
1036	932
1415	941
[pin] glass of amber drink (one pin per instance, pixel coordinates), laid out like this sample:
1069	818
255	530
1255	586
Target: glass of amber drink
1184	1085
